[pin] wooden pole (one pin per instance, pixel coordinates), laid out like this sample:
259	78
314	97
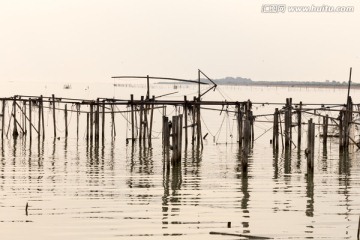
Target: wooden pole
276	130
281	132
25	125
286	128
30	120
185	114
194	122
91	121
3	120
310	151
290	121
87	127
180	136
141	120
151	121
113	132
147	88
299	124
325	128
103	123
54	117
132	118
174	144
77	120
15	131
97	121
66	123
145	122
42	116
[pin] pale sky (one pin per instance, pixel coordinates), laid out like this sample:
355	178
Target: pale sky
92	40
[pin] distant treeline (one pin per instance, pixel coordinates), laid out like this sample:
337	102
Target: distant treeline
249	82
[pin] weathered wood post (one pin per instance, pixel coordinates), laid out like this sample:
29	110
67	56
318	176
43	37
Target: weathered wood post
151	120
141	120
42	116
276	130
15	131
166	132
66	122
54	117
97	121
180	135
194	121
113	131
103	122
239	123
174	142
87	127
286	120
132	118
77	120
30	118
325	129
299	124
310	151
341	130
185	119
290	121
198	125
3	120
246	146
91	121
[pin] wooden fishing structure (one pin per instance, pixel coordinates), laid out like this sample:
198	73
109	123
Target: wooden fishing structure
24	116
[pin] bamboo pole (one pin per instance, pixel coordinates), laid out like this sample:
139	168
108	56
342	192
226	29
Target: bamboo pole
87	127
325	129
24	122
185	119
77	120
15	131
132	118
151	121
97	121
3	120
299	124
91	121
310	151
30	118
66	122
141	120
54	117
42	116
103	123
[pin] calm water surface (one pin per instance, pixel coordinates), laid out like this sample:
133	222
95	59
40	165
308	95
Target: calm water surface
119	191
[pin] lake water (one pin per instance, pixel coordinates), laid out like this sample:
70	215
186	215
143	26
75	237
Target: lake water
119	191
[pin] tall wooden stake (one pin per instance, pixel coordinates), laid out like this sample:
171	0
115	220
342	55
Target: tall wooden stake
186	127
66	122
54	117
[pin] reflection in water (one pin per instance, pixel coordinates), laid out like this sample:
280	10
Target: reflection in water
309	211
244	179
131	192
344	181
287	161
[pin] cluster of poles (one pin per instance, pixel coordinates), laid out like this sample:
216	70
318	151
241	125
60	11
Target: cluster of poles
27	118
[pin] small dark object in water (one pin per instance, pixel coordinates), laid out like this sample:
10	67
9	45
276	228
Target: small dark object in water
205	136
26	209
239	235
270	141
229	225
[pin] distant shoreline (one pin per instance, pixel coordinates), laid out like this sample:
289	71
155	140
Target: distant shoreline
263	84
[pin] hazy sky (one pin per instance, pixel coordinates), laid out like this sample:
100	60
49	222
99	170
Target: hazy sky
88	40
